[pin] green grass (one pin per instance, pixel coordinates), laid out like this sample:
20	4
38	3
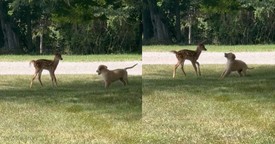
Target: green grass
208	110
211	48
74	58
80	110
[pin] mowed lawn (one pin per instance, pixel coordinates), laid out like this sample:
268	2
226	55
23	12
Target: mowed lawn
79	110
207	110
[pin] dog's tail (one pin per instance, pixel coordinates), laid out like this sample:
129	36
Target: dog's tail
130	67
173	51
31	62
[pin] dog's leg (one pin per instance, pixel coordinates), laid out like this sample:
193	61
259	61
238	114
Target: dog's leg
123	81
222	75
244	72
107	84
225	73
240	72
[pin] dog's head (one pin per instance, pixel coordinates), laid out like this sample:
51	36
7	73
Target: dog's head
201	47
100	68
230	56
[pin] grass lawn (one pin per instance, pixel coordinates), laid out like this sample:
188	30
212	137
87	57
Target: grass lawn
74	58
208	110
80	110
211	48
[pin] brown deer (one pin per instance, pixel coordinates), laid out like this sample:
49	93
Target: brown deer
49	65
193	56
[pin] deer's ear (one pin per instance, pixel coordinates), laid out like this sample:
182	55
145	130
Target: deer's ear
202	42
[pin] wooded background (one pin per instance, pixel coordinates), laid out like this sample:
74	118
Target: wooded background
122	26
214	21
70	26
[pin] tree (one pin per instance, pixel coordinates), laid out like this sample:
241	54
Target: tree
10	37
74	26
156	24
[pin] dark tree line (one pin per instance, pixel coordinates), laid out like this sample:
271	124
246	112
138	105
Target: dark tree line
70	26
216	21
115	26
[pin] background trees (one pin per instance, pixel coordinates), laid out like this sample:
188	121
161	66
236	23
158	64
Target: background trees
120	26
216	21
71	26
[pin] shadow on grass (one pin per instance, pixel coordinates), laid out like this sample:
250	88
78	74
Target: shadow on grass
80	93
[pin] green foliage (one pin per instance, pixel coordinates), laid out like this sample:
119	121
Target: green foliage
221	21
211	48
74	58
78	26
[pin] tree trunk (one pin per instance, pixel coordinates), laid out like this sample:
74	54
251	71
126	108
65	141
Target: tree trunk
147	27
29	32
160	30
190	30
11	39
41	43
177	26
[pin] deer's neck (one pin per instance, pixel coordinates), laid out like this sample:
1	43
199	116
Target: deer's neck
55	63
198	53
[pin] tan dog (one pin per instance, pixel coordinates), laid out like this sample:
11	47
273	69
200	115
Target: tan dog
110	76
234	65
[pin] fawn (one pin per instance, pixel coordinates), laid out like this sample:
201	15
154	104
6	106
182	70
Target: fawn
49	65
193	56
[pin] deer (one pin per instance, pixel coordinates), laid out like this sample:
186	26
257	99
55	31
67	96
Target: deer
49	65
193	56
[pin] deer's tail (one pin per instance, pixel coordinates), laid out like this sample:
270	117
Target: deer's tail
31	62
130	67
173	51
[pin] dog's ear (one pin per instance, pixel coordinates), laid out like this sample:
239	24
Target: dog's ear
105	67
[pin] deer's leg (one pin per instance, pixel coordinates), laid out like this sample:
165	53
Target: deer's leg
39	77
195	67
175	69
182	68
33	78
53	78
199	68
